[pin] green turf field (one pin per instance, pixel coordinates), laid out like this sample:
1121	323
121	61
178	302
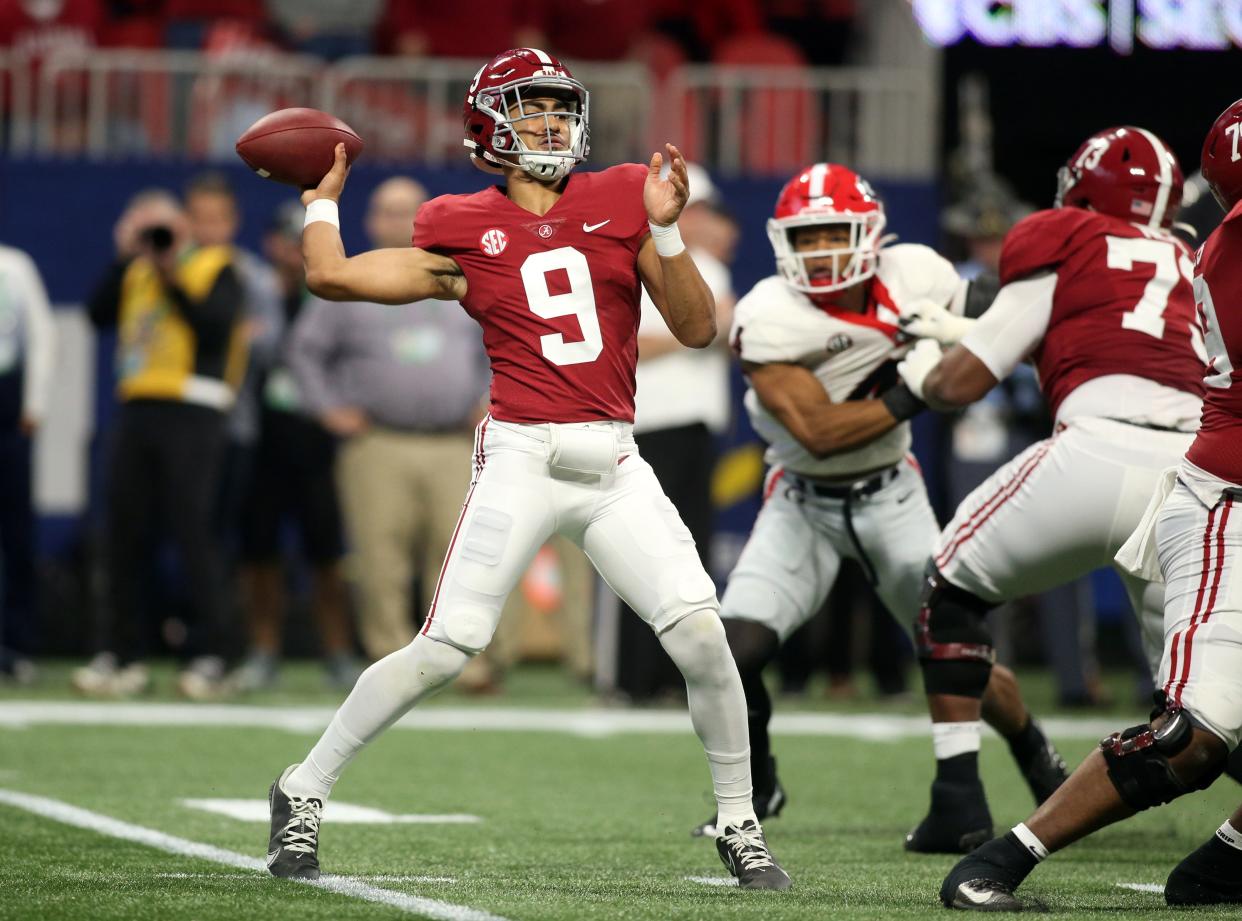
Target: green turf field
572	826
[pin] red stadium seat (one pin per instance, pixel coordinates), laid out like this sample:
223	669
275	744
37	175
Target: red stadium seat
781	125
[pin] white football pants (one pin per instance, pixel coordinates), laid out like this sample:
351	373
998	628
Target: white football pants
795	550
587	482
1060	509
1200	550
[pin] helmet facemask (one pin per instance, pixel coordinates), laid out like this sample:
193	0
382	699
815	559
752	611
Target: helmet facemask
851	264
505	105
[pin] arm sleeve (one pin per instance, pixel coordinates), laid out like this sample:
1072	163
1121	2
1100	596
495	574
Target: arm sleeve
1014	325
309	354
40	344
104	304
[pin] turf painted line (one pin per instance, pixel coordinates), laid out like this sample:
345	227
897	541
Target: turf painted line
170	844
591	722
712	880
1142	887
256	810
381	878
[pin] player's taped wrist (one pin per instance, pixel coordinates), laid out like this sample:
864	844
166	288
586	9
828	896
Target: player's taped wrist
667	239
323	209
901	402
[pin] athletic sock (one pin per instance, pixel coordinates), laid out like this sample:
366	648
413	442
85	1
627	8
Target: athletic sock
1027	742
1230	836
383	693
697	645
1027	839
957	751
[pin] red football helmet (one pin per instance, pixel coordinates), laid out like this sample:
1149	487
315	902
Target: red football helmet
1221	160
827	193
494	105
1125	172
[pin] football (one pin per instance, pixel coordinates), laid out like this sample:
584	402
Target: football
295	146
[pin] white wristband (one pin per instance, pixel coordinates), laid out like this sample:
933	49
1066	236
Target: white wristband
323	209
667	239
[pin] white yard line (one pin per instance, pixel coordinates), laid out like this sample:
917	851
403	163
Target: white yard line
712	880
1142	887
591	722
342	885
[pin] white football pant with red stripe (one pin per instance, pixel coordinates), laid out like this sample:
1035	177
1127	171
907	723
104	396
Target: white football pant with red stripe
1060	509
587	482
1200	549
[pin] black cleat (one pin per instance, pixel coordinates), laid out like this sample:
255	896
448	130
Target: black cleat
985	880
957	822
744	851
1045	770
982	895
768	801
1211	875
293	848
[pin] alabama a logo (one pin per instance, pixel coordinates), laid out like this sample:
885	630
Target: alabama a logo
494	242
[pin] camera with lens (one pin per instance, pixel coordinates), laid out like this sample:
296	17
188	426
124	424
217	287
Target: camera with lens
159	238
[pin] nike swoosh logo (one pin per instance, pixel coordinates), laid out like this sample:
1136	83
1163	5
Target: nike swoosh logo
974	895
590	227
904	498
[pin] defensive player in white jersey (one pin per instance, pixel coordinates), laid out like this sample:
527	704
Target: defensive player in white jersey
1192	535
819	343
1097	292
550	265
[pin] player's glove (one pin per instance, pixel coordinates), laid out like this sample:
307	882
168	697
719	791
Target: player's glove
928	320
918	363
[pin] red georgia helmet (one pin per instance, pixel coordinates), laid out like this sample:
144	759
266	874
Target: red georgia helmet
494	104
827	193
1221	160
1125	172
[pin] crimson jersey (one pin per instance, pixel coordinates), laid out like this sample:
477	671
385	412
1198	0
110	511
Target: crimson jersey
1122	304
557	296
1218	291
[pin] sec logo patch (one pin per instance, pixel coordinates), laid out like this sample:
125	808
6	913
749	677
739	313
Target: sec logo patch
494	242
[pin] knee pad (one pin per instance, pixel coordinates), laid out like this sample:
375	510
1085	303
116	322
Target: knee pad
954	645
1138	761
468	627
753	645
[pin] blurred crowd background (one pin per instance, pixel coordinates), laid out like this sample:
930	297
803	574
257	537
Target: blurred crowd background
307	517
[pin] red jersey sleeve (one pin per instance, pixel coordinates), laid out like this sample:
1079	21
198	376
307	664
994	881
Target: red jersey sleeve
425	225
1041	242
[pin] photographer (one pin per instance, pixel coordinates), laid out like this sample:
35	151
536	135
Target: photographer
180	353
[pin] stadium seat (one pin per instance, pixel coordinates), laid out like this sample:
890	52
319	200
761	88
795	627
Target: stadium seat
782	124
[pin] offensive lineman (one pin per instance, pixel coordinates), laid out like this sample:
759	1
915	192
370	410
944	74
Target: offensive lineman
549	265
1097	292
1190	531
819	343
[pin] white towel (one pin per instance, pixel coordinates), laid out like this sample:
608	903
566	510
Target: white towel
1138	555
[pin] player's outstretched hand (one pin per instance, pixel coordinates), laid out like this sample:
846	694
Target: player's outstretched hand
664	198
926	319
333	184
918	363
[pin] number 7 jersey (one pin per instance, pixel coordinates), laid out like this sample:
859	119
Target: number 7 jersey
557	296
1122	304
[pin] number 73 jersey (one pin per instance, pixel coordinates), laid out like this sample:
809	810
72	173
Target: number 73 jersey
1122	302
557	295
